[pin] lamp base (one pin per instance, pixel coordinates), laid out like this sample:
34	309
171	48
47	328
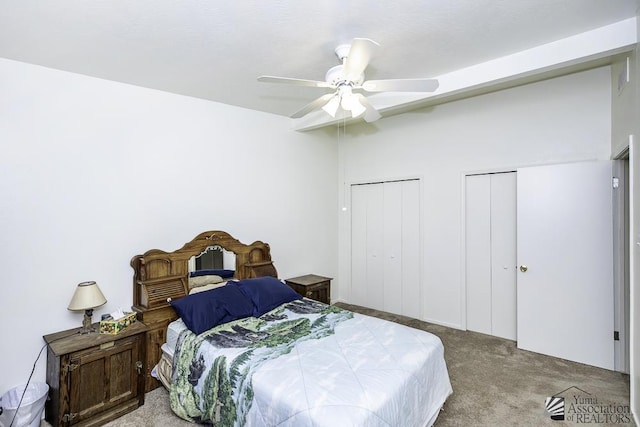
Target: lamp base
86	322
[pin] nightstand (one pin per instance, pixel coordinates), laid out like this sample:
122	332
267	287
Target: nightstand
312	286
94	378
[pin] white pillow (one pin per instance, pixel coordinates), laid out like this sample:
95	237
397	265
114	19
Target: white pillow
206	287
197	281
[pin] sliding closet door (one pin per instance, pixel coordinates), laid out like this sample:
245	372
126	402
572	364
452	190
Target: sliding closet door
490	230
385	244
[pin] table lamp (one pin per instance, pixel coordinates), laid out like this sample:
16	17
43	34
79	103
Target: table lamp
87	297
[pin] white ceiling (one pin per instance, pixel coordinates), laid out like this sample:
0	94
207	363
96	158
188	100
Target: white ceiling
216	49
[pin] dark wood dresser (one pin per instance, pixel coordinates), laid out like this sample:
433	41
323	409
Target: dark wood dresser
94	378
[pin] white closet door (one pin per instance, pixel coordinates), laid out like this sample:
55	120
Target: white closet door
411	254
359	255
385	246
478	252
490	230
503	255
367	245
375	247
402	248
392	247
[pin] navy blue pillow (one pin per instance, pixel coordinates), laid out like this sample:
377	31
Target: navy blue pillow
266	293
204	310
225	274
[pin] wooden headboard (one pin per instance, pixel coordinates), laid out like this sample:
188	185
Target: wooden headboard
158	275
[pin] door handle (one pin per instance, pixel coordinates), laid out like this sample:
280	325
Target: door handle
524	268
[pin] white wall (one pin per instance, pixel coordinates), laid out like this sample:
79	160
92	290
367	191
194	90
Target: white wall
78	201
565	119
94	172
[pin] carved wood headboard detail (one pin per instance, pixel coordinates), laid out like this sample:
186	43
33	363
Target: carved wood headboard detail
157	272
159	275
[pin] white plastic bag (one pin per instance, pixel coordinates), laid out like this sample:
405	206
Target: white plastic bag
31	408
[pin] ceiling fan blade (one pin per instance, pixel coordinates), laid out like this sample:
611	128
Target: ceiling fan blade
371	115
358	58
292	81
315	104
401	85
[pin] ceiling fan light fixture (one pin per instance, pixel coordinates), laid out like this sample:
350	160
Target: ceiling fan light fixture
350	102
331	107
348	99
357	109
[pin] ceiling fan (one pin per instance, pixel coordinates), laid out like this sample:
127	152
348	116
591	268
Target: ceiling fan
348	78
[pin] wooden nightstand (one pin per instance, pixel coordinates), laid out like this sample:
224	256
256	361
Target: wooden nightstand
312	286
94	378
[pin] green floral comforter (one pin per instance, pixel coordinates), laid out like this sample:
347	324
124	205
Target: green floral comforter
212	372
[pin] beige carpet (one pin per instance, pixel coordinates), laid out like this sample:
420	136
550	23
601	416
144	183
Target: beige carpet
494	384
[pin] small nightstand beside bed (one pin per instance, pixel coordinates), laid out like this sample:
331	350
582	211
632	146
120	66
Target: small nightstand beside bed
254	352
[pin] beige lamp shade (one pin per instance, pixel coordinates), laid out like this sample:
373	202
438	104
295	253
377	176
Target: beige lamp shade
87	296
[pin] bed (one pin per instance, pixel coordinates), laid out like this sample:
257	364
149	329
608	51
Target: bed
159	275
250	351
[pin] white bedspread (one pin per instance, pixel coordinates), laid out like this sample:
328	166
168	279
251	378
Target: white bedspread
173	332
368	372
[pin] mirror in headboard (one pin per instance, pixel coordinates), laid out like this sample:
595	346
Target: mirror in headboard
213	258
159	275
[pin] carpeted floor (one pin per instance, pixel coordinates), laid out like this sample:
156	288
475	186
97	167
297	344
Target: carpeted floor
494	384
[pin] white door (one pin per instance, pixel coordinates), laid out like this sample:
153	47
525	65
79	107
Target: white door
385	245
490	233
410	253
367	243
565	277
503	255
478	252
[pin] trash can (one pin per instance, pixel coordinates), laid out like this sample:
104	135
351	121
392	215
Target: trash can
31	408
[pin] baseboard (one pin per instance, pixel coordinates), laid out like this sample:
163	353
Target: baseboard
440	323
435	322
